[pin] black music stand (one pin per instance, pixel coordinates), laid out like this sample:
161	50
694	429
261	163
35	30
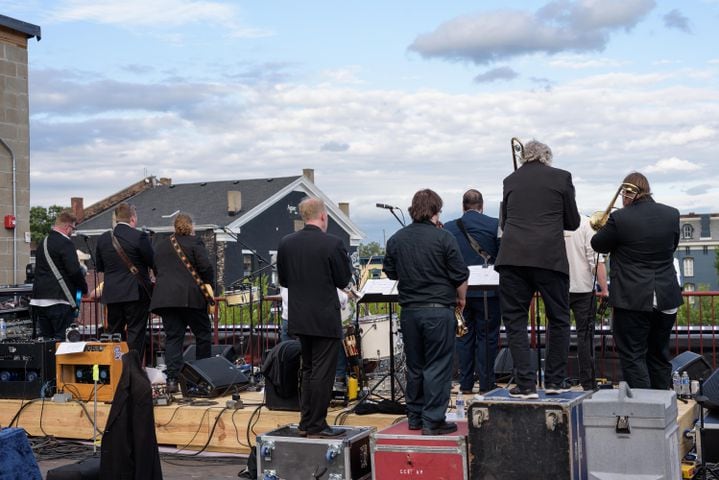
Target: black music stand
485	279
389	296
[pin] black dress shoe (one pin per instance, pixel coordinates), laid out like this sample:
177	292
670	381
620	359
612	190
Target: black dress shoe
414	426
441	429
328	432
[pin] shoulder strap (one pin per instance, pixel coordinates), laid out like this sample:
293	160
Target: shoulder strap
473	242
128	263
58	275
204	288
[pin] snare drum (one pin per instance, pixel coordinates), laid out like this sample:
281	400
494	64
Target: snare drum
375	336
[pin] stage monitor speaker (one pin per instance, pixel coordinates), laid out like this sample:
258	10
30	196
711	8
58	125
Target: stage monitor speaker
26	368
227	351
694	364
504	364
210	377
710	388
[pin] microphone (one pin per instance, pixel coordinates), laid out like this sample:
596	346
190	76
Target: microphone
384	205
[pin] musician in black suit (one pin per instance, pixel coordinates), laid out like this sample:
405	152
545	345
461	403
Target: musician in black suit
538	205
178	299
641	239
312	265
126	295
54	307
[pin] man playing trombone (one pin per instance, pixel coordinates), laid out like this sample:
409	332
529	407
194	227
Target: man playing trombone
538	205
641	239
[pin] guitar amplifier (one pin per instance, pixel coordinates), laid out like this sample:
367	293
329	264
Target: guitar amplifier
74	370
26	368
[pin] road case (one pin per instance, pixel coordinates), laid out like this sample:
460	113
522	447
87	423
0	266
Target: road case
401	453
513	438
632	433
284	455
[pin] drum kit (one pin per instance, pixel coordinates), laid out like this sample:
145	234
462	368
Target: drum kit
370	350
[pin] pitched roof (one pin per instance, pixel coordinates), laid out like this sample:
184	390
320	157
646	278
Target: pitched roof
207	203
27	29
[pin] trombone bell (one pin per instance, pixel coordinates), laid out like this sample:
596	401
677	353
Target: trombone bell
598	219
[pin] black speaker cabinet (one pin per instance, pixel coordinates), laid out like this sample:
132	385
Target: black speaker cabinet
710	388
210	377
227	351
25	367
694	364
281	369
710	438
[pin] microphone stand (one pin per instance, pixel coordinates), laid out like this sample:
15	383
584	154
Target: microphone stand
249	276
86	239
392	209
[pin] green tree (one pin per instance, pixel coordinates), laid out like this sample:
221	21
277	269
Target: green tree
371	249
41	221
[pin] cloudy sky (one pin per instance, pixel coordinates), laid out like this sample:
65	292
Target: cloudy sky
380	98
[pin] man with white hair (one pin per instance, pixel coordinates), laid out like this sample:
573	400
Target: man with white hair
538	205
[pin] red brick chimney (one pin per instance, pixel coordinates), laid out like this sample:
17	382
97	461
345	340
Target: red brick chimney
76	204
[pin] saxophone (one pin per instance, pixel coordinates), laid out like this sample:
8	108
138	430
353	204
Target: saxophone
461	327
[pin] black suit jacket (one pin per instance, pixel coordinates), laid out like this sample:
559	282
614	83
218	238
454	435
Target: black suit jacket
537	206
641	239
175	286
120	284
63	254
313	265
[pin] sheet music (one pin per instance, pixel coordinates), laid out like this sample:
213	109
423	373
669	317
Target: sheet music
483	276
382	286
65	348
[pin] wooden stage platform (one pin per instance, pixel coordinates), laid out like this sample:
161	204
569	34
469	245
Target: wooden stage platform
207	423
202	423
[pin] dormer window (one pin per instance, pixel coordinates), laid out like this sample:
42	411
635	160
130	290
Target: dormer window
687	231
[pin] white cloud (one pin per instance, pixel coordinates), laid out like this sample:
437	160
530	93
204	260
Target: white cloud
157	14
673	164
578	62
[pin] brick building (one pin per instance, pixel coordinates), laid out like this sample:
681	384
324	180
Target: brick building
14	148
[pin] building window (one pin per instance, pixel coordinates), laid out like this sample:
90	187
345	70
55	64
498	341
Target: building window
299	225
689	287
247	262
273	261
687	250
687	231
705	249
688	267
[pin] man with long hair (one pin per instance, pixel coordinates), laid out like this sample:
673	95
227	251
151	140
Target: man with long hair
432	276
643	289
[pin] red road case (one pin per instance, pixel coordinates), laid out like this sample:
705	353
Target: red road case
402	454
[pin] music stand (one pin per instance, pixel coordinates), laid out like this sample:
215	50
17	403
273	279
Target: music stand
381	291
484	278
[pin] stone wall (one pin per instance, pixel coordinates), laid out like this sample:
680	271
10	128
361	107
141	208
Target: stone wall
14	130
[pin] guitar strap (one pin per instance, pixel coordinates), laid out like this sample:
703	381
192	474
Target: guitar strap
128	263
473	243
190	268
58	276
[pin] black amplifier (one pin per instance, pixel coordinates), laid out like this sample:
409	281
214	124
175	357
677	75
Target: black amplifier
25	367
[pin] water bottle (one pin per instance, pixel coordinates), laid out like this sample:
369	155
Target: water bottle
3	329
685	385
459	405
677	384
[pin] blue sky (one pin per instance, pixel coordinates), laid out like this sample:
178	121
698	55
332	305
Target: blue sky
380	98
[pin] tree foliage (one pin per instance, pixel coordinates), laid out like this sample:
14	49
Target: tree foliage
41	221
371	249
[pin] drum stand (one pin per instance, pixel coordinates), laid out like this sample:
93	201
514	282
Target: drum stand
391	374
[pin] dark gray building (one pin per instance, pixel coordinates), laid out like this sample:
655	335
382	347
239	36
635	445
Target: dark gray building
699	239
240	221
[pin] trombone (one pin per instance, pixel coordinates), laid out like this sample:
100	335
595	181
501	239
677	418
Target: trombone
598	219
517	151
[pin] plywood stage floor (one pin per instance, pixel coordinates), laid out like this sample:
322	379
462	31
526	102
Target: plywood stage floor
199	424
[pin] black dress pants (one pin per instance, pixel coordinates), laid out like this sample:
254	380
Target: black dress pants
516	287
175	321
582	304
642	340
133	317
319	360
